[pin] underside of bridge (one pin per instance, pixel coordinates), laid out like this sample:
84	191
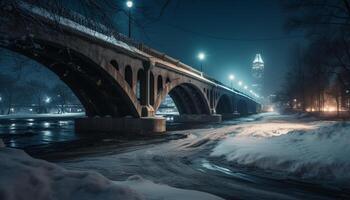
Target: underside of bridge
225	105
242	107
100	95
189	100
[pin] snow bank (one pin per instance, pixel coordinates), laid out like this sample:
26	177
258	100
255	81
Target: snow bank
22	177
309	151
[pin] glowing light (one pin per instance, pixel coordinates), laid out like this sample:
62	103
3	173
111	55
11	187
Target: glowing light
231	77
46	124
201	56
47	100
246	87
129	4
271	109
0	98
240	83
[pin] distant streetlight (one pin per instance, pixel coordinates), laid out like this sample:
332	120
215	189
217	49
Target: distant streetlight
201	57
0	99
231	77
240	83
246	87
129	4
47	100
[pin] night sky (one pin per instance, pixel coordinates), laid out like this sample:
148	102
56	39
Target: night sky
230	32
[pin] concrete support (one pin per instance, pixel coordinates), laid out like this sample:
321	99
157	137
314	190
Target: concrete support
121	125
235	105
147	109
198	118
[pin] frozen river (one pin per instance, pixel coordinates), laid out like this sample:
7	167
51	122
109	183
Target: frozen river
265	156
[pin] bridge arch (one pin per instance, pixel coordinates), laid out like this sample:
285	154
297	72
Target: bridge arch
224	105
188	98
98	91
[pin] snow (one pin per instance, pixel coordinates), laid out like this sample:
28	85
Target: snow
76	26
23	177
317	151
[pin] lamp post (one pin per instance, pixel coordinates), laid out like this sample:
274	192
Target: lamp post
231	77
201	57
129	4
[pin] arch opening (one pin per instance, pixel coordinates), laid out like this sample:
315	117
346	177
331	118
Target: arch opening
168	109
159	84
224	105
189	100
114	63
22	93
141	86
128	75
99	93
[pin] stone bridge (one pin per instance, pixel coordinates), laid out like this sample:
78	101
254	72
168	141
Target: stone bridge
120	83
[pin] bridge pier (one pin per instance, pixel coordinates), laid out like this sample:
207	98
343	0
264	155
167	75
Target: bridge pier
122	125
198	118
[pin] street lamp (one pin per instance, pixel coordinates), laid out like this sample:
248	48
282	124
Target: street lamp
129	4
246	87
47	100
201	57
231	77
240	83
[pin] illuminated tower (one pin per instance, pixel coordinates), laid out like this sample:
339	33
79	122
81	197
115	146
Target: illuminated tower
258	74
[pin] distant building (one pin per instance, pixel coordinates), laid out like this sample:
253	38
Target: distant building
258	74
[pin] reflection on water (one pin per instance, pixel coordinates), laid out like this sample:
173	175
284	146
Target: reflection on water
24	133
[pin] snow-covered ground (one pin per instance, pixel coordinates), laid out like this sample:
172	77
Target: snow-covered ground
23	177
314	151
